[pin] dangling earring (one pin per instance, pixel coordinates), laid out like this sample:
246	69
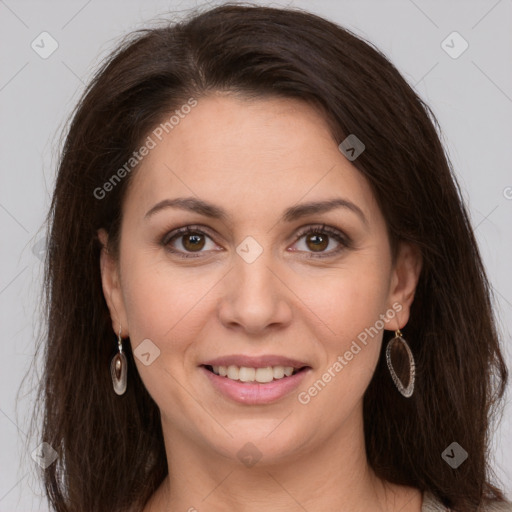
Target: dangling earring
398	344
119	368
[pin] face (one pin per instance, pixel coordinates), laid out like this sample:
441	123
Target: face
270	284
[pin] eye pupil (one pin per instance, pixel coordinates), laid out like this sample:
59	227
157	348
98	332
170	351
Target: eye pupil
193	242
321	242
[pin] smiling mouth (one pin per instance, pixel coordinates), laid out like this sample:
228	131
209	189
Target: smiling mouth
254	375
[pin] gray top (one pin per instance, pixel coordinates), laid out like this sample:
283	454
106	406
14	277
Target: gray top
432	504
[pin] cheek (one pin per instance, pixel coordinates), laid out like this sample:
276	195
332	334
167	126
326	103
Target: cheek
158	298
349	304
350	299
145	297
168	306
168	309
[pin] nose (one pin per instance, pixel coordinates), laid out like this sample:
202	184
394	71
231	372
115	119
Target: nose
255	297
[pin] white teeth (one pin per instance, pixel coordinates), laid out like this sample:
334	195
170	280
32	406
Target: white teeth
232	372
264	375
278	372
245	374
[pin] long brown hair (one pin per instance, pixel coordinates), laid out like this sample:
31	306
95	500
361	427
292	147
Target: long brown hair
111	452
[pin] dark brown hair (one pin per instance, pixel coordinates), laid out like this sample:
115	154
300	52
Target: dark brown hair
111	452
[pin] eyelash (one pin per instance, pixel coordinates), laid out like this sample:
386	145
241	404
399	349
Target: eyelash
342	239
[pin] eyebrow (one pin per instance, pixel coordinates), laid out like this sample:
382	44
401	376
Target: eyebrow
291	214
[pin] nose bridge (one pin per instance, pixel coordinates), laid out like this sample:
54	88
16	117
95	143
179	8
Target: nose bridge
254	279
254	297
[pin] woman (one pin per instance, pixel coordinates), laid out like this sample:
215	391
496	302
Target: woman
263	288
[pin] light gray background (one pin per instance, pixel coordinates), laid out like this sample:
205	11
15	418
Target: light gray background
471	96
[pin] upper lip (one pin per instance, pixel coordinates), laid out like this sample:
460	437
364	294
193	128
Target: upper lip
254	361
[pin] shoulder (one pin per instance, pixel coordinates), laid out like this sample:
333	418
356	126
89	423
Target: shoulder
432	504
502	506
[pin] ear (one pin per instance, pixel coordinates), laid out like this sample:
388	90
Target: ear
404	279
111	284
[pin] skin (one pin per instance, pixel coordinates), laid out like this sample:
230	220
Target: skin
255	159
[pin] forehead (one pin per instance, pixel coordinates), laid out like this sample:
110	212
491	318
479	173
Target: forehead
250	156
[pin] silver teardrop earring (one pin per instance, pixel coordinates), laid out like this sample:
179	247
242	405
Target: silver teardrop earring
398	343
119	368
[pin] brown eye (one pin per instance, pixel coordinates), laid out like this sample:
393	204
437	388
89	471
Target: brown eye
189	241
193	242
317	242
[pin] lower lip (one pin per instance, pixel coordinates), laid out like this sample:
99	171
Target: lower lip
254	393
